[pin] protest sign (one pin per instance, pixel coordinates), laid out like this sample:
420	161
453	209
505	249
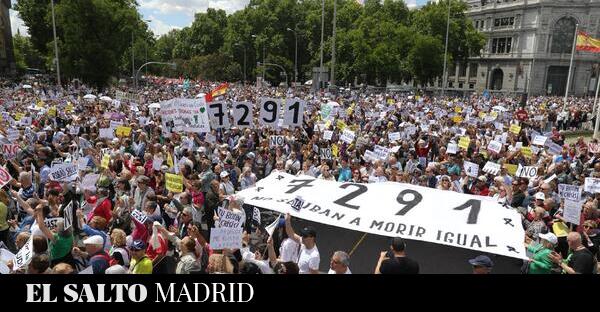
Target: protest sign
24	255
122	131
592	185
63	172
228	218
539	140
491	168
226	238
174	182
269	111
325	153
276	140
256	215
157	163
394	136
526	151
572	211
10	151
139	216
570	192
327	134
12	135
74	130
68	215
105	161
528	172
452	148
293	115
107	133
472	169
464	142
594	147
495	146
242	114
553	148
89	181
52	223
516	129
297	203
184	115
347	136
402	210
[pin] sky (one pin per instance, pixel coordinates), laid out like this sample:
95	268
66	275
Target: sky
173	14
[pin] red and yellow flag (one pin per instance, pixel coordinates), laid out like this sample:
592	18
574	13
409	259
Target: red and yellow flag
586	43
220	90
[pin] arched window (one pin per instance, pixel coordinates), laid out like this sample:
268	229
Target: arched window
562	35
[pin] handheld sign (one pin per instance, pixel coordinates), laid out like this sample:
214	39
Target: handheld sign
539	140
242	114
24	256
464	142
569	192
228	218
452	148
174	182
327	134
592	185
269	112
491	168
495	146
276	140
325	153
226	238
4	176
218	115
572	211
516	129
472	169
68	213
528	172
139	216
394	136
294	112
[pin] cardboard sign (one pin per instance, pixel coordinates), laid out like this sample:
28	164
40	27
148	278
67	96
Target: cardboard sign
228	218
472	169
297	203
122	131
105	161
491	168
63	172
516	129
327	134
174	182
106	133
24	256
495	146
10	151
572	211
276	140
74	130
526	151
256	215
89	181
226	238
325	153
464	142
348	136
394	136
539	140
139	216
452	148
553	148
592	185
569	192
528	172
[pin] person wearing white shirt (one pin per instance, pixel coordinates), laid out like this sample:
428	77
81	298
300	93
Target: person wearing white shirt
340	262
309	259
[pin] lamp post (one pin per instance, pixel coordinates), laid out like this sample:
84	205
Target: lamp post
243	46
295	57
55	46
147	21
264	53
444	79
173	65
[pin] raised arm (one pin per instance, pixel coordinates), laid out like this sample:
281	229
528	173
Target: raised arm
290	231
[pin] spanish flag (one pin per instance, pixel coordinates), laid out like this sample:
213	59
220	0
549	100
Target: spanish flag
586	43
220	90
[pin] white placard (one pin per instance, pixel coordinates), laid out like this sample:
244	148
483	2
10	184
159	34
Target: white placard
552	177
24	256
218	115
269	112
327	134
553	148
488	226
572	211
472	169
592	185
491	168
74	130
107	133
256	215
157	163
569	192
89	181
12	135
539	140
394	136
325	153
495	146
68	213
10	151
528	172
52	223
452	148
276	140
226	238
185	115
294	112
139	216
230	219
242	114
347	136
66	172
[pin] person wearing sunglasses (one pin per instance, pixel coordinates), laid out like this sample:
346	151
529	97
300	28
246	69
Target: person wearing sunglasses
591	239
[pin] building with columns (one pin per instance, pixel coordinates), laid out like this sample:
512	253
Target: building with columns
7	58
528	48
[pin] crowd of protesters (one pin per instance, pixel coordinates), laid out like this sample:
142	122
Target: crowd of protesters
175	235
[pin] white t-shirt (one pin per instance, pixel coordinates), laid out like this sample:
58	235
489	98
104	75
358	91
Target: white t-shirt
263	265
309	259
288	251
333	272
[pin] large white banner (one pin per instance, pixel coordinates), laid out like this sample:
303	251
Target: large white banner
184	115
396	209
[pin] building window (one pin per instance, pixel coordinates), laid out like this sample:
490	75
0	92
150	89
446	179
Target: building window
471	85
501	45
504	22
562	36
473	70
450	85
462	70
460	85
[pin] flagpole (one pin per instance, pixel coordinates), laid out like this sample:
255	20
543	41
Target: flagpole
570	68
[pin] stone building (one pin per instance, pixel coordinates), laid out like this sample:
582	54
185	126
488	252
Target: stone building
528	48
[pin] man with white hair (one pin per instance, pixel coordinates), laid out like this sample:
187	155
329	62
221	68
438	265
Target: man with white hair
340	263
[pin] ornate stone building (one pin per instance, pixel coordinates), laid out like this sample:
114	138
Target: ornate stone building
528	47
7	59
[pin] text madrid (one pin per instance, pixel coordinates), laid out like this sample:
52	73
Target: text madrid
173	292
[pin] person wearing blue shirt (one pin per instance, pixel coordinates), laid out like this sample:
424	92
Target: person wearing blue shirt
345	172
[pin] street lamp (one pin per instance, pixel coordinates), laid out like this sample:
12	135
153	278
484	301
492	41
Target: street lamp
444	79
243	46
295	57
264	53
147	21
173	65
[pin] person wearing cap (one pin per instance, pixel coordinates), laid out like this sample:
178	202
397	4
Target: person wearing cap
225	186
395	261
540	261
482	264
98	258
142	193
309	258
140	263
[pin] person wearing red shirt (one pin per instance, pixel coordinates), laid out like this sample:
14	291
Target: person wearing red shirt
104	207
480	187
521	115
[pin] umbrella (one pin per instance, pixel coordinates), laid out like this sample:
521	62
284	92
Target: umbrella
500	108
154	105
200	95
26	86
105	98
89	97
308	83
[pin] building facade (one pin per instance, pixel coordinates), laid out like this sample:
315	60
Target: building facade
528	48
7	58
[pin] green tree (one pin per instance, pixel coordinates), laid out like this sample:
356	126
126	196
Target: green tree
37	16
26	56
425	58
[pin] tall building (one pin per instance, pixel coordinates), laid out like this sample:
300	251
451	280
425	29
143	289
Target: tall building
7	58
528	48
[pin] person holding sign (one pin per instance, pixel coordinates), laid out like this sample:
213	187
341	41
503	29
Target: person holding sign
309	259
61	241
